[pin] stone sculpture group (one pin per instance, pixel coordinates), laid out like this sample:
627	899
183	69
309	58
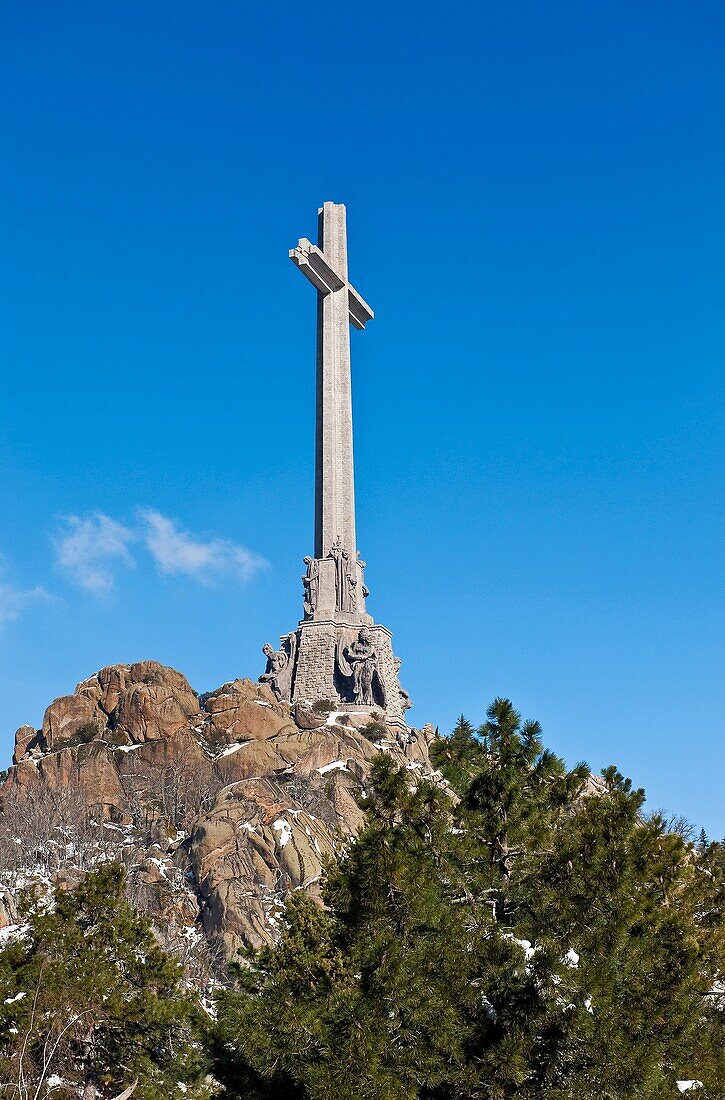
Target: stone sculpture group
337	653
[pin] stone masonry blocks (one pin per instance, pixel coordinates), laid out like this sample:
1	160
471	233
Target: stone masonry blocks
314	676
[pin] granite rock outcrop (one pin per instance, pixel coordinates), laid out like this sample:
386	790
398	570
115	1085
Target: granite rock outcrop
219	804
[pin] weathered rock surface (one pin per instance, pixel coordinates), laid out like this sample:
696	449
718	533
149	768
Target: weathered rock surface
243	711
256	844
65	717
26	738
307	718
154	703
219	804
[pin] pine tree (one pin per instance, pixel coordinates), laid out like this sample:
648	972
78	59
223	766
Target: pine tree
90	998
406	988
513	802
358	1004
539	938
454	754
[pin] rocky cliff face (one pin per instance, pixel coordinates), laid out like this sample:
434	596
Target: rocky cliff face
218	804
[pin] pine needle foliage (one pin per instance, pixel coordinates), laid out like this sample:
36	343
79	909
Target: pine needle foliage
524	933
89	999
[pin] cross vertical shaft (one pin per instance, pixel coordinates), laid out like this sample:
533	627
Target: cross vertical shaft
334	583
334	471
337	652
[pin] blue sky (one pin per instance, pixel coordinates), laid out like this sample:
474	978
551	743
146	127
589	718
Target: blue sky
535	213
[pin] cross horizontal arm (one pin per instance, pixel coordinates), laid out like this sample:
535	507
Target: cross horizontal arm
360	311
312	263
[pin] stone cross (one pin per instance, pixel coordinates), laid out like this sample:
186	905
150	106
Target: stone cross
338	306
338	652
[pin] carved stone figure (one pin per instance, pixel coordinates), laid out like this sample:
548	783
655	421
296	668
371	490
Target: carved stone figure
405	701
365	590
340	556
363	660
311	582
350	594
280	665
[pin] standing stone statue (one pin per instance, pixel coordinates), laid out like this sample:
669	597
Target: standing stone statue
405	701
340	556
363	660
362	564
350	594
280	666
311	582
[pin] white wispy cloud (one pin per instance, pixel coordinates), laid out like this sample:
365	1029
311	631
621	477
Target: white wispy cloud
205	559
87	550
13	601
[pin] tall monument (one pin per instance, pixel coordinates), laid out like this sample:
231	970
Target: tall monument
337	652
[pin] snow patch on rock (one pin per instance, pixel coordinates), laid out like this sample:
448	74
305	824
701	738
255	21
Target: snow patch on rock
336	764
284	829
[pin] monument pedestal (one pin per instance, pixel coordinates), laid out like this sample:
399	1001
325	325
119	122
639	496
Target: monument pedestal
314	674
323	668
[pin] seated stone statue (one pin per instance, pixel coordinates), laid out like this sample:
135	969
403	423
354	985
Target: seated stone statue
280	665
363	660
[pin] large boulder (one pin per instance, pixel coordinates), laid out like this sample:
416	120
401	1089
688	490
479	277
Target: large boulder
154	702
180	748
112	682
244	711
336	745
89	688
303	750
307	718
248	853
90	772
26	739
68	716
